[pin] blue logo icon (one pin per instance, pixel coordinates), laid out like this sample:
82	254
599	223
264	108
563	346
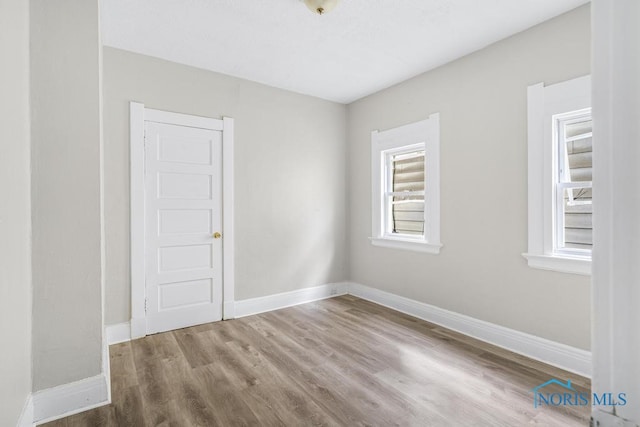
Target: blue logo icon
571	397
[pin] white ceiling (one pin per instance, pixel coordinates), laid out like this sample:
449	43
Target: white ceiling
362	46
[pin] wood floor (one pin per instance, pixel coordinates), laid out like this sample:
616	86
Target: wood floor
336	362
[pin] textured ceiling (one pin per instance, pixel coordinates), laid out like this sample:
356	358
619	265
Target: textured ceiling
362	46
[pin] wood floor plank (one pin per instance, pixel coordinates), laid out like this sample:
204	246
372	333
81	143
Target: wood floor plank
337	362
224	399
128	409
194	347
154	387
357	381
123	368
242	375
284	353
274	395
98	417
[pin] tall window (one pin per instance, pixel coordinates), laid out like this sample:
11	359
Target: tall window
406	188
560	165
573	207
404	195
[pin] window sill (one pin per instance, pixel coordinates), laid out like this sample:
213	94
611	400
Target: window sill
409	245
563	264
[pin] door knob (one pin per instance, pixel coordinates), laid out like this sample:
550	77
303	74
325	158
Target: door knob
217	235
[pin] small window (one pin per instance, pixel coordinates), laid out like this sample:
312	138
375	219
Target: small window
560	175
406	189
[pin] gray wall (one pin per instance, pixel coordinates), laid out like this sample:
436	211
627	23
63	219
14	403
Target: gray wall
482	102
290	201
15	216
65	156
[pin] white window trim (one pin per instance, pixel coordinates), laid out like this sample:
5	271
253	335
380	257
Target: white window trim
543	104
425	132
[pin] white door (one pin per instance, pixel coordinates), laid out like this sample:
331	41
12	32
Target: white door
183	216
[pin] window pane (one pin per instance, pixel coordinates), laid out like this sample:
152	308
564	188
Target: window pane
574	213
408	172
578	154
577	218
407	176
578	129
407	215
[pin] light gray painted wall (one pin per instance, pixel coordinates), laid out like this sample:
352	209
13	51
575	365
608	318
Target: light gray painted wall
15	214
65	156
482	102
290	200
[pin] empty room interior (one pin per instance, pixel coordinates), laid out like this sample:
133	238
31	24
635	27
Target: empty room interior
320	212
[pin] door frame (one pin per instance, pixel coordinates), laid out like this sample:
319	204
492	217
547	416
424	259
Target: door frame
138	114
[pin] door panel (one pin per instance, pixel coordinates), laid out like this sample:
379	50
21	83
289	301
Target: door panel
185	150
184	294
184	221
186	257
183	206
184	186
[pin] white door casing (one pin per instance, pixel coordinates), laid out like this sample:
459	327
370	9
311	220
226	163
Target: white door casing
181	194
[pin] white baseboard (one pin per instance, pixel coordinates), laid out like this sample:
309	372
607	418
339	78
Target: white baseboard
553	353
229	310
138	327
69	399
106	366
560	355
251	306
118	333
51	404
26	417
